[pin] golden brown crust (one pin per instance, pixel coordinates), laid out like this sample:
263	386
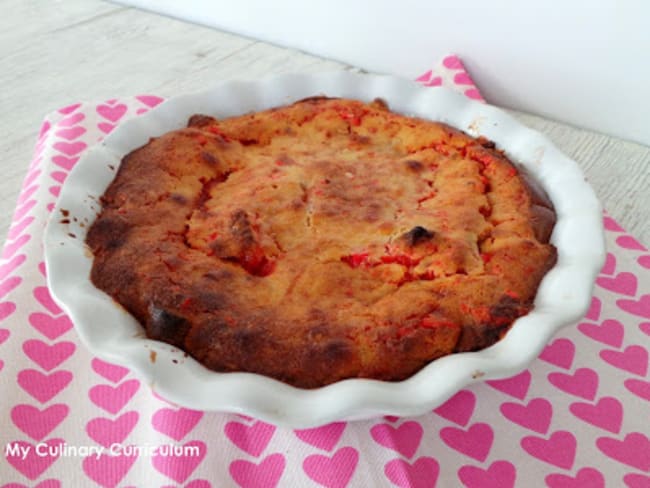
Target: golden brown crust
320	241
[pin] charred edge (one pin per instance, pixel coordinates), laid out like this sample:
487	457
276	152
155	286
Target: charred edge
414	165
166	326
200	120
248	142
380	103
209	158
315	99
503	314
486	143
474	338
108	233
417	235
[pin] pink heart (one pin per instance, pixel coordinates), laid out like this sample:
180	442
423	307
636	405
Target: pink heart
71	120
594	310
558	450
41	269
9	284
586	477
633	359
107	432
27	192
582	383
63	162
111	372
424	77
150	100
624	283
69	108
515	386
69	148
58	176
452	62
2	364
639	388
629	242
633	451
325	437
197	484
610	264
112	399
633	480
640	307
404	439
105	127
645	328
55	190
180	467
47	356
10	249
435	81
50	327
42	294
22	210
4	335
41	386
644	261
475	442
35	464
141	111
252	439
38	423
251	475
50	207
606	414
31	176
7	268
176	423
45	128
6	309
332	472
51	483
611	224
560	353
500	474
114	113
609	332
462	78
459	408
535	416
19	227
108	470
423	473
71	133
474	94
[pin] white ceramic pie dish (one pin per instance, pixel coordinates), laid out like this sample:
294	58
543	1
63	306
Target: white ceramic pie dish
111	333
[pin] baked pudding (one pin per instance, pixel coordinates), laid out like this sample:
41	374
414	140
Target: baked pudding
324	240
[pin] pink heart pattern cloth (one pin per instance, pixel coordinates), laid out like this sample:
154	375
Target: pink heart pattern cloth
578	416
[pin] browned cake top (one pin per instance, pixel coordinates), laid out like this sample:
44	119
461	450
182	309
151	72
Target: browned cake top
329	221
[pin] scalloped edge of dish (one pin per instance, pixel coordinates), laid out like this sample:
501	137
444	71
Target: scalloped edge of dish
112	334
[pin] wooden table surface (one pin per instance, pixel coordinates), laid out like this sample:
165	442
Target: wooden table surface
55	53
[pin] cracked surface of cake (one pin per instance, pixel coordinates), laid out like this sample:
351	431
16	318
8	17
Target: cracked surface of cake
325	240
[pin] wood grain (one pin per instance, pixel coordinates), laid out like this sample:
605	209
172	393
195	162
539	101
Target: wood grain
56	53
